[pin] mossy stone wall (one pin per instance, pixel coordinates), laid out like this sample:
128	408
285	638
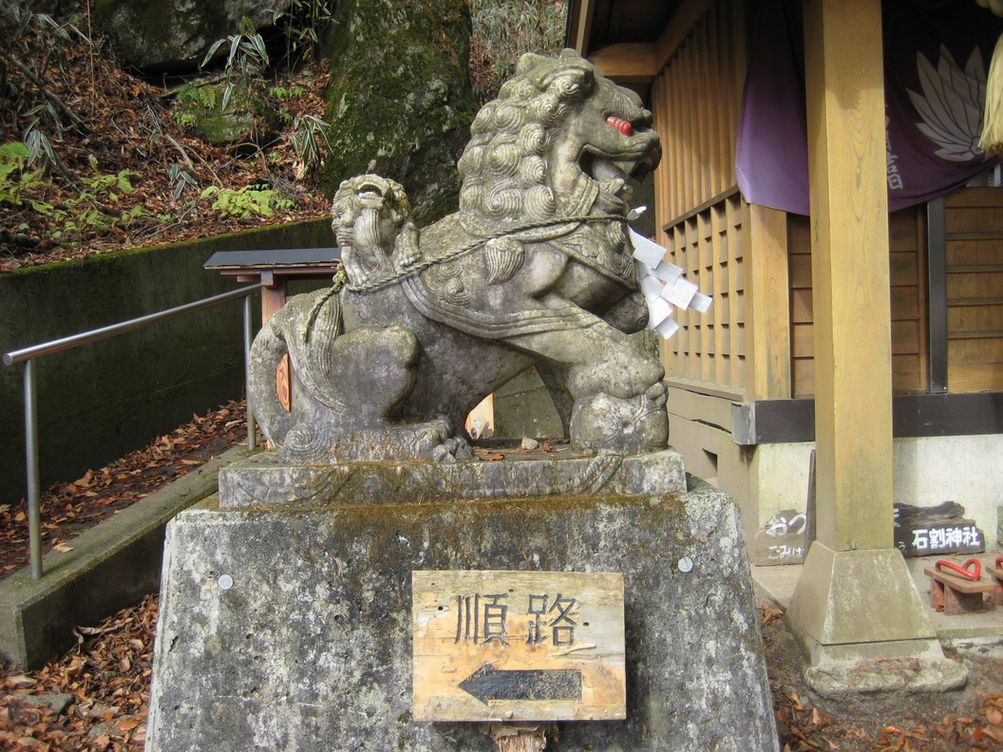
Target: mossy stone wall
399	100
100	401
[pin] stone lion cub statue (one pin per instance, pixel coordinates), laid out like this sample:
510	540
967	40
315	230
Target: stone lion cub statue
534	269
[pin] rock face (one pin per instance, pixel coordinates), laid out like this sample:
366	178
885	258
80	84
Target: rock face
291	630
400	101
173	35
250	117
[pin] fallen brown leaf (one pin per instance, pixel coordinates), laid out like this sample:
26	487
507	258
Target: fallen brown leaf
127	724
770	615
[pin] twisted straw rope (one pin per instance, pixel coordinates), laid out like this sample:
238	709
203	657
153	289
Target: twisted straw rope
340	280
473	246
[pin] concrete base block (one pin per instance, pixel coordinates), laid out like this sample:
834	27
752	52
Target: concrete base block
900	665
864	626
290	630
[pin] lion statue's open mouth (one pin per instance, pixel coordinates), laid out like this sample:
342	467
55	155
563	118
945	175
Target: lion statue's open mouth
534	269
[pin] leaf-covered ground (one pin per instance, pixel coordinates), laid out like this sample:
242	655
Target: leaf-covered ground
128	129
964	720
69	508
96	697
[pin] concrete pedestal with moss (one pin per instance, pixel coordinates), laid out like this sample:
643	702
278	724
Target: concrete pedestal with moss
862	623
289	628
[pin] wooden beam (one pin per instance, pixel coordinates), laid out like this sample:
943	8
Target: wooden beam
767	298
936	233
627	63
787	421
850	276
677	29
581	25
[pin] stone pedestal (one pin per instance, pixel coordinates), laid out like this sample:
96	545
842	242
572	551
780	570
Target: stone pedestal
289	629
862	623
264	480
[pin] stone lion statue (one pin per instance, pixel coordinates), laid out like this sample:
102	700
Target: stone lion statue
534	269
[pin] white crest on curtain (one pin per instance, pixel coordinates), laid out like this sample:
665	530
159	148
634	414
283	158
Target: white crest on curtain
952	104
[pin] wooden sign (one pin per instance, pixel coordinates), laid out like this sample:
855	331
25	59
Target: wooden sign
517	646
940	529
284	383
782	540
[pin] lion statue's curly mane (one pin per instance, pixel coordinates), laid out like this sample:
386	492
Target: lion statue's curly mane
504	167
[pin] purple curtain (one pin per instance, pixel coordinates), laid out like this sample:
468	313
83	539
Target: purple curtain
937	53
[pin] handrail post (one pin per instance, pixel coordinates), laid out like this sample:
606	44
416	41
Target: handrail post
252	437
28	355
31	467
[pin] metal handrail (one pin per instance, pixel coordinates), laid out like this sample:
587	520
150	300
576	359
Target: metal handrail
27	355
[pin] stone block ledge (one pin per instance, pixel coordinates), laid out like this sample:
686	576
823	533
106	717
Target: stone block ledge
265	480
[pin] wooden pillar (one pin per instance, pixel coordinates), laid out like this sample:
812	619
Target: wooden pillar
855	604
768	301
850	295
768	334
273	294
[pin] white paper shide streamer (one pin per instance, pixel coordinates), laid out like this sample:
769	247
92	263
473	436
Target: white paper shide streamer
663	285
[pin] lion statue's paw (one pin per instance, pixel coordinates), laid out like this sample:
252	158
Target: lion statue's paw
433	439
452	449
623	426
436	440
657	393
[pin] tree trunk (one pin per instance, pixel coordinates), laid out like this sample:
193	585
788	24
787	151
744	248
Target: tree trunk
399	100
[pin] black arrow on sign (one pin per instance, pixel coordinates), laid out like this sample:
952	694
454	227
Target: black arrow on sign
488	683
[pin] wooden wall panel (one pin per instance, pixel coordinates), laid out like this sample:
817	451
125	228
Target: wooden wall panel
974	225
695	98
709	350
974	222
907	241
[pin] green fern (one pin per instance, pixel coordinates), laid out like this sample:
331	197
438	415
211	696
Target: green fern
246	202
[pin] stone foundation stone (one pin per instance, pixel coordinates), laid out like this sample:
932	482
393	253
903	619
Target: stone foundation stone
867	633
289	629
